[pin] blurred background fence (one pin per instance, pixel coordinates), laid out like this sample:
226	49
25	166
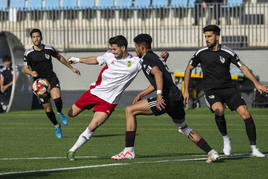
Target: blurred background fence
87	24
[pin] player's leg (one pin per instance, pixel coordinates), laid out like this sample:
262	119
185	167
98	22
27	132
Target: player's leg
250	129
56	96
221	124
141	107
97	120
213	100
74	111
50	114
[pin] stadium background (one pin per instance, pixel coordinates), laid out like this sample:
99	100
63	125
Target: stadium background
82	28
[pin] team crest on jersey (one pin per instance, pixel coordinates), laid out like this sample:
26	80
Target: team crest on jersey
129	63
211	97
222	59
47	56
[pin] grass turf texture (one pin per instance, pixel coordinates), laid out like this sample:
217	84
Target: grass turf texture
28	134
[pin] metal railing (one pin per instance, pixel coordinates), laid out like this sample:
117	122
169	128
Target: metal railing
243	25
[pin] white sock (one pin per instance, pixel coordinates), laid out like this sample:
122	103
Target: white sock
129	149
253	147
226	137
83	138
57	125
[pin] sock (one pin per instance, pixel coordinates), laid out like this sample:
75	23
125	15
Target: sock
251	130
58	104
221	124
253	147
202	144
130	138
83	138
52	117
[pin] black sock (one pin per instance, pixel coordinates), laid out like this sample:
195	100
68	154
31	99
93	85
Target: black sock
52	117
130	138
58	104
202	144
251	130
221	124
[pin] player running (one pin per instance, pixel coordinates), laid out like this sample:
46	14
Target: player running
38	64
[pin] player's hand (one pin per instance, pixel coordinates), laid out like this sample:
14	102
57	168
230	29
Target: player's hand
185	97
261	88
34	74
136	99
75	70
73	60
164	55
160	104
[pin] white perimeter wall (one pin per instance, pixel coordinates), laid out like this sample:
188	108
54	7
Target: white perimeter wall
257	60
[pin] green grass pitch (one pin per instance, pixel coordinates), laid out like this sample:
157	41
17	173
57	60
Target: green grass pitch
28	143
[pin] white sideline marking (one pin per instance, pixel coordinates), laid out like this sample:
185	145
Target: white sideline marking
52	158
97	166
116	164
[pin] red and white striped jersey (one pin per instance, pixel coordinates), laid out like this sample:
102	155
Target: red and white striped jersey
115	76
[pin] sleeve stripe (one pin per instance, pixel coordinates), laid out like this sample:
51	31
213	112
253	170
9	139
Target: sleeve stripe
228	51
200	50
28	51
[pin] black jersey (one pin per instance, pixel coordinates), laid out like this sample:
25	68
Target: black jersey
7	74
149	61
41	61
216	66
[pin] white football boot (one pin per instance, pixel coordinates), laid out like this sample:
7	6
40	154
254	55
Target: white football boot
124	155
213	156
254	152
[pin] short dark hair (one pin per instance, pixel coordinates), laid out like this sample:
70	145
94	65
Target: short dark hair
119	40
36	30
7	59
144	39
216	30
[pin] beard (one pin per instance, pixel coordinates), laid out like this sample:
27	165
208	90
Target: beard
211	46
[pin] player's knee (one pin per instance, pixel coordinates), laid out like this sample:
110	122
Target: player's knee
183	128
129	110
219	112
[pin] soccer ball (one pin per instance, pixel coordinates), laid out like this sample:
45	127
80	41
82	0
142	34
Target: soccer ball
41	87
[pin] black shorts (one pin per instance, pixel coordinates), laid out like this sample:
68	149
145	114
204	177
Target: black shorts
54	83
229	96
174	105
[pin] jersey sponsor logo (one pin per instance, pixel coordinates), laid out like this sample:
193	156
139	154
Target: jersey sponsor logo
47	56
222	59
211	97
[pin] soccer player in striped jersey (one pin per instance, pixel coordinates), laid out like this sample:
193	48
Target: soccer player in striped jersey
215	63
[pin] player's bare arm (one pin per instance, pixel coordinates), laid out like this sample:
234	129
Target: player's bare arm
27	70
63	61
159	84
261	88
145	92
88	60
187	75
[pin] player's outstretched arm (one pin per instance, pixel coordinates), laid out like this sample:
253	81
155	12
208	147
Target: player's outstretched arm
261	88
158	76
88	60
187	75
145	92
65	62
